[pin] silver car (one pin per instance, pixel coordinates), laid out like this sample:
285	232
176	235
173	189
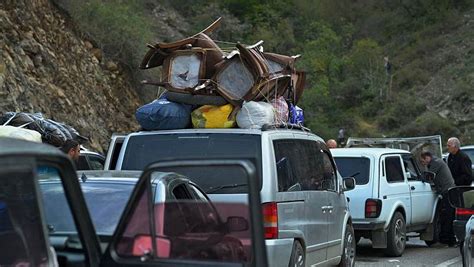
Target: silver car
462	199
306	215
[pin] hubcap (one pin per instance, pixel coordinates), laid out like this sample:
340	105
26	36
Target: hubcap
350	250
400	235
299	258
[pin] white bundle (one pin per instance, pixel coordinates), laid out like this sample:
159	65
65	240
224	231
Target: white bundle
254	115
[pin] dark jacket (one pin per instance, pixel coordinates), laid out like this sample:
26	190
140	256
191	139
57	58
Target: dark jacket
461	168
443	179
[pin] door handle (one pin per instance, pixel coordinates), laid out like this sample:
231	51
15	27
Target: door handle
412	187
330	208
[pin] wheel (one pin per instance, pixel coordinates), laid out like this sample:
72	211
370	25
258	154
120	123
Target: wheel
396	236
297	258
436	230
349	250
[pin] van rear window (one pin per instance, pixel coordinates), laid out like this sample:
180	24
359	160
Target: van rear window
354	167
143	150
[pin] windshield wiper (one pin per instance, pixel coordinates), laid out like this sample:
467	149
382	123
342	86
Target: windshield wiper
217	188
355	174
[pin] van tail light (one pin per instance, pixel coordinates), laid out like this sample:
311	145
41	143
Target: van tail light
373	207
270	220
464	212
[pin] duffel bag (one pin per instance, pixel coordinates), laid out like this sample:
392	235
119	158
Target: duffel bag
162	114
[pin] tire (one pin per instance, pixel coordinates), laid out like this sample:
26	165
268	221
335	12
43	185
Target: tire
396	236
436	230
298	256
349	249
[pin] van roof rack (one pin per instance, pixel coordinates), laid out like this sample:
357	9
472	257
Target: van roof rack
287	126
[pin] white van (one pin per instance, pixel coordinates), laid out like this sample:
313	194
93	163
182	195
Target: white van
306	216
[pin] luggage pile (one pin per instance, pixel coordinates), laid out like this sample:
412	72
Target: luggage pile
34	127
209	88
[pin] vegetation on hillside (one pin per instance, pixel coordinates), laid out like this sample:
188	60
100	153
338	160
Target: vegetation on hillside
343	44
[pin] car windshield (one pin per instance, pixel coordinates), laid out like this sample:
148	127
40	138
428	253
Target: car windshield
354	167
145	149
105	201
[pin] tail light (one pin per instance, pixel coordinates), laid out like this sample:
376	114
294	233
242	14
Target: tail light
373	207
464	212
270	220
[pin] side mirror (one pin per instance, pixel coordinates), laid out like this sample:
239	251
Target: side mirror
461	197
349	183
429	176
237	224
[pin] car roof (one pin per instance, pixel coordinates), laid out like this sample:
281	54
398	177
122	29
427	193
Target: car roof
12	146
214	130
467	147
373	151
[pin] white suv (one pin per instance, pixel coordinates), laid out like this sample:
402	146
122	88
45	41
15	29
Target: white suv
390	198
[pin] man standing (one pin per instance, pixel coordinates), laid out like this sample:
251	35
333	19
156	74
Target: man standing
459	163
72	149
442	181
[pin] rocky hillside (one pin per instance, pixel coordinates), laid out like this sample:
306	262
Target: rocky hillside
45	67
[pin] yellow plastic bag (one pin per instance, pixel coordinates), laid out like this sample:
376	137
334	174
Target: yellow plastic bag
213	117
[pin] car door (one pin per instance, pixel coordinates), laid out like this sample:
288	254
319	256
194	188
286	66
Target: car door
135	237
394	190
336	208
302	200
423	198
23	236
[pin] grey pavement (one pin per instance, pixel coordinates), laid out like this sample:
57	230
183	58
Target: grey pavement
417	253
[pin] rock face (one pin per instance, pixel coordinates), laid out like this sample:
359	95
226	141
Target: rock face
45	67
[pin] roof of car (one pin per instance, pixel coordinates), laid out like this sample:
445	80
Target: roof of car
467	147
357	151
12	146
230	130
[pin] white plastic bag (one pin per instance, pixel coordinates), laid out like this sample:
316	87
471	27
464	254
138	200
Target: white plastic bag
20	133
254	115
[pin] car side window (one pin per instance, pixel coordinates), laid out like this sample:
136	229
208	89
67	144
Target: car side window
82	163
393	170
410	167
330	177
96	163
300	165
22	238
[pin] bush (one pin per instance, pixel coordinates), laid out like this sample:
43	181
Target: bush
429	123
120	28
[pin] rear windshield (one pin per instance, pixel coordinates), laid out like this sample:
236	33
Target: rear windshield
105	201
145	149
354	167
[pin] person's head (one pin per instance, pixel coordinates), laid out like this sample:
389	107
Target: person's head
426	157
331	143
453	145
72	149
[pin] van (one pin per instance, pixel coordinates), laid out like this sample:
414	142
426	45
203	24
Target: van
305	212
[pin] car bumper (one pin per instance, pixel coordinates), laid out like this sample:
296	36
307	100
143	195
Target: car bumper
368	226
279	251
459	228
